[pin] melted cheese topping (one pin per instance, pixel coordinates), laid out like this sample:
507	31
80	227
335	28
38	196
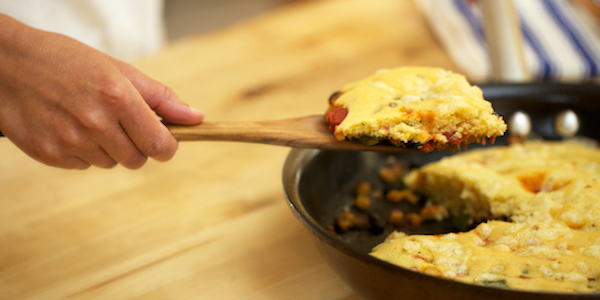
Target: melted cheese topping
526	256
416	105
550	190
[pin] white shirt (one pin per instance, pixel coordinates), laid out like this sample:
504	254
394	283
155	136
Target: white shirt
125	29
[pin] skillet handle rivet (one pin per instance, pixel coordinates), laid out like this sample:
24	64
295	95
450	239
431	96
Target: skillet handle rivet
519	124
566	124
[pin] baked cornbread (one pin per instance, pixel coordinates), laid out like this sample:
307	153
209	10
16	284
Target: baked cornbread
550	194
427	108
535	181
535	256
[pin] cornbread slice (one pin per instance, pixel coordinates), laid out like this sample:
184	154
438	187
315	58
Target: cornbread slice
427	108
551	193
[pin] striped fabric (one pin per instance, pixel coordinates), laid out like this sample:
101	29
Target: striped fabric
561	37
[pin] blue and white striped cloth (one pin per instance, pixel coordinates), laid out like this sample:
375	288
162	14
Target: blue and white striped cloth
561	38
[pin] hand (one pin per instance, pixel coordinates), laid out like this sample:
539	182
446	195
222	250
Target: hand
70	106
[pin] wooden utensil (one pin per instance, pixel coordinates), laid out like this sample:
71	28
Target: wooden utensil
304	132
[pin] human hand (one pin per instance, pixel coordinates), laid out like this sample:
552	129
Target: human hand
70	106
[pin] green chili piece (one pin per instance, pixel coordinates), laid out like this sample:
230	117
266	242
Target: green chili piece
496	283
454	148
369	140
461	222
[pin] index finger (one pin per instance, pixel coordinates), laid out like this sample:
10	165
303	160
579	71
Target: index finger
142	126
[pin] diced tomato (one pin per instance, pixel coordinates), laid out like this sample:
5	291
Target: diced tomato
419	257
428	147
493	139
451	138
336	116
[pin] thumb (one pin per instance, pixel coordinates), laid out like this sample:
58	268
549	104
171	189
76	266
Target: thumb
168	106
161	99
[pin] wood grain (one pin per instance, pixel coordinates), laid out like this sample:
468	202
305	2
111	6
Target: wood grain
213	222
302	132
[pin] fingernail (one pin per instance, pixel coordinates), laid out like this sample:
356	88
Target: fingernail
196	111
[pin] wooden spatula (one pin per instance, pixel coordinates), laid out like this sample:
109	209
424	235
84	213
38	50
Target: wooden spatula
303	132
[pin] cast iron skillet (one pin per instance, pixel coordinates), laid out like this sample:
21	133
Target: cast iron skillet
318	185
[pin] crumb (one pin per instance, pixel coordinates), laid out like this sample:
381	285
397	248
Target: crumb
402	195
363	202
434	212
396	217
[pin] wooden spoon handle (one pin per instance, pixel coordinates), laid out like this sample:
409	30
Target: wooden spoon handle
298	132
278	132
303	132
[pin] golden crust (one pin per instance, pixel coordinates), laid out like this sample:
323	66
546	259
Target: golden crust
551	193
535	181
414	105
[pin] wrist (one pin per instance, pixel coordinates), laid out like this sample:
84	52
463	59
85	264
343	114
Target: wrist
16	38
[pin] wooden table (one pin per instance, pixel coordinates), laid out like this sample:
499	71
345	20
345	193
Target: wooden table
212	223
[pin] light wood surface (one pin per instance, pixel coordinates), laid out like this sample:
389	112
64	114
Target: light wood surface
213	222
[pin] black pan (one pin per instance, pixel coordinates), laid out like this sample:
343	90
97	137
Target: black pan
319	184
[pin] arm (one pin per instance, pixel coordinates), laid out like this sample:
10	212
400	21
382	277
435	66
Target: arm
70	106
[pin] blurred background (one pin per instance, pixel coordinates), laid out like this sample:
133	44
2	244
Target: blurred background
188	17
